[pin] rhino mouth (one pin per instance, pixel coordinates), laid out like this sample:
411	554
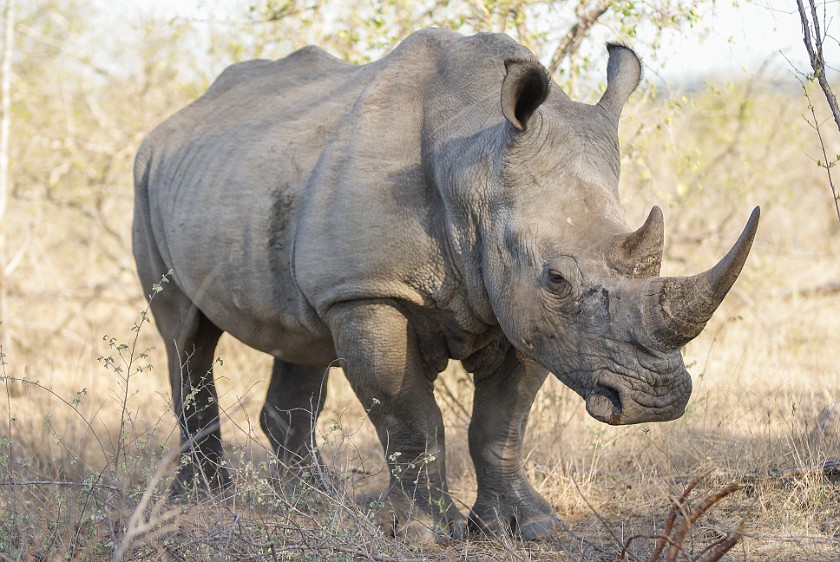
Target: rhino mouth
604	404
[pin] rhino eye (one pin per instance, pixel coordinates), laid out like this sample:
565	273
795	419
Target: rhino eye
558	284
555	277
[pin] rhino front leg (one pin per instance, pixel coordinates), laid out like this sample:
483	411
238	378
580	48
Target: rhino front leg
378	348
296	395
506	501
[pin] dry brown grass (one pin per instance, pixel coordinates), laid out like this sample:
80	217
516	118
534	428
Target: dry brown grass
764	370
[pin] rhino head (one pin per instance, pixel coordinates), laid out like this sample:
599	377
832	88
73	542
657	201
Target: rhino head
571	285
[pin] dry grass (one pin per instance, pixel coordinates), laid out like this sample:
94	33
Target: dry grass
73	487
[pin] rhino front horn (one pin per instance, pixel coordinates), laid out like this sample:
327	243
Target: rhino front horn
676	309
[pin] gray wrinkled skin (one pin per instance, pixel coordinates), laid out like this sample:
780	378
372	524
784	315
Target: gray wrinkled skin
447	201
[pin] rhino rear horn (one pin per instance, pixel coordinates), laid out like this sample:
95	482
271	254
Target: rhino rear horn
639	254
624	72
677	308
524	89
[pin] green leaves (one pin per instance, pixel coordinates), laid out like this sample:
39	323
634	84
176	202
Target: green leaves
158	287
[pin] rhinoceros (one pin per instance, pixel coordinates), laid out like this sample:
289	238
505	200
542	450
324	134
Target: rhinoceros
447	202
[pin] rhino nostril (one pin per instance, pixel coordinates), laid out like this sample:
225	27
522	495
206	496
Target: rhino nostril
604	404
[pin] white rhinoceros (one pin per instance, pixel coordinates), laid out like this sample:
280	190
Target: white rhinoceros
446	202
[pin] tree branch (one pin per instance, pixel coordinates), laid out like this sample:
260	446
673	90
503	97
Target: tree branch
571	41
815	53
814	46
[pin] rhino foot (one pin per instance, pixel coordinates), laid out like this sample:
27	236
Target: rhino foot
529	520
400	517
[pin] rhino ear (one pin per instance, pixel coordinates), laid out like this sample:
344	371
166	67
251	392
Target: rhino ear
524	88
624	72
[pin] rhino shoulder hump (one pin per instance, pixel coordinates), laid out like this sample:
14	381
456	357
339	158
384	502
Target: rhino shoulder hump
235	73
430	36
312	54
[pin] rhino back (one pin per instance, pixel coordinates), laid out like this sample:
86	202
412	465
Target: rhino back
297	183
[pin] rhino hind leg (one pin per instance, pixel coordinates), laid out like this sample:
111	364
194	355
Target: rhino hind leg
295	398
190	339
190	355
378	350
506	502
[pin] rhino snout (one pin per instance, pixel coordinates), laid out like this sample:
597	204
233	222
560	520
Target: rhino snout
613	403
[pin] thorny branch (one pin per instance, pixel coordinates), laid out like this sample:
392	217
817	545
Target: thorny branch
674	539
691	519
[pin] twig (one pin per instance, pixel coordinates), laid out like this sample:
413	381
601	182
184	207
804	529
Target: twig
826	162
692	518
718	549
675	539
672	514
62	483
829	468
38	385
625	548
